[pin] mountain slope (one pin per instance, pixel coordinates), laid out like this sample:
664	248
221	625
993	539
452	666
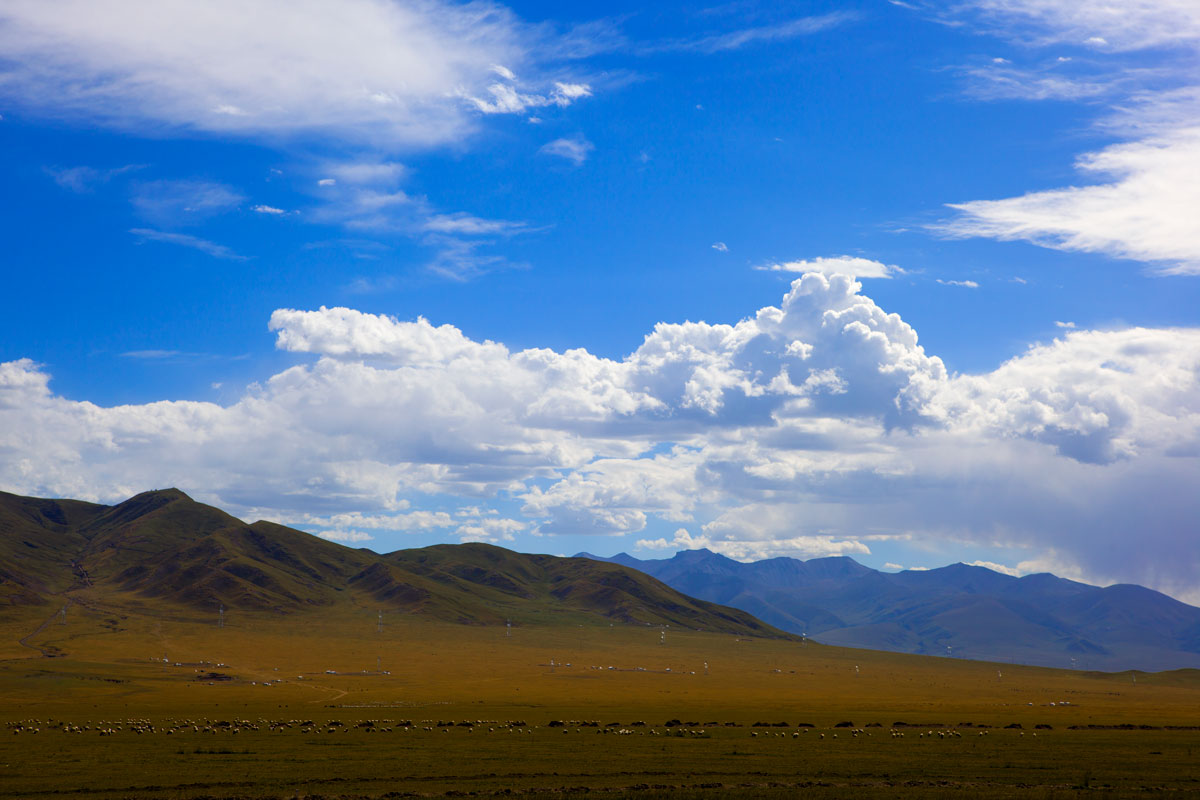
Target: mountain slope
958	610
161	549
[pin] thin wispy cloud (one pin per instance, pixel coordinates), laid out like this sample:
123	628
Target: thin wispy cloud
463	223
176	203
462	260
184	240
744	37
152	354
82	180
368	198
575	149
996	82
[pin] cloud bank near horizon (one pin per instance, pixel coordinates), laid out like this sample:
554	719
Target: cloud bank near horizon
809	428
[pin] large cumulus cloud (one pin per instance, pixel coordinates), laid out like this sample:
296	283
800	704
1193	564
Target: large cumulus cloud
816	426
372	71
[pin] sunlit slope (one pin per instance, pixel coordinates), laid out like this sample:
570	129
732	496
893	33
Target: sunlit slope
161	552
39	539
533	585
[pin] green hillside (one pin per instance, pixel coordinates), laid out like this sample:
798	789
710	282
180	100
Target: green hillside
163	550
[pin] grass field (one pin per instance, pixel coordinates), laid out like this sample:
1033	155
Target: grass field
330	706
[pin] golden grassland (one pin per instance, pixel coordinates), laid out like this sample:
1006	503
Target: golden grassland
245	711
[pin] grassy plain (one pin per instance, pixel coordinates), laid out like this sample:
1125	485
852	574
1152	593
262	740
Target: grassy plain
260	726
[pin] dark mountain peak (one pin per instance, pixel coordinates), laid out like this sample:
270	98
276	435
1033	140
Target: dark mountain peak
702	555
958	568
835	566
174	508
957	578
1046	584
624	559
981	613
145	502
171	493
698	552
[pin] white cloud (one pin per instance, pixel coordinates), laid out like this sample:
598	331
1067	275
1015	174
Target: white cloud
1060	324
566	92
490	529
265	209
720	247
756	549
507	99
1143	213
816	427
575	150
853	266
1129	25
396	522
681	541
994	567
1137	197
1097	396
378	72
614	495
345	537
964	284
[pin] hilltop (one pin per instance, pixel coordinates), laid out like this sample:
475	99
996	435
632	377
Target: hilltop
960	610
162	550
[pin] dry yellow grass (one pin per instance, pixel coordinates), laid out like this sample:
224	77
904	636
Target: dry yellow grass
337	666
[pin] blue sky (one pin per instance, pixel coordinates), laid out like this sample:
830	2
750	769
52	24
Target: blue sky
911	282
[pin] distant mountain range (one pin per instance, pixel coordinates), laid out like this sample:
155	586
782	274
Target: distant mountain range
959	611
163	553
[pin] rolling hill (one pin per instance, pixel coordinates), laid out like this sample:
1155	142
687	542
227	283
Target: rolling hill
958	610
163	550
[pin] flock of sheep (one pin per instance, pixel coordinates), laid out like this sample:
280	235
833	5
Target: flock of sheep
676	728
